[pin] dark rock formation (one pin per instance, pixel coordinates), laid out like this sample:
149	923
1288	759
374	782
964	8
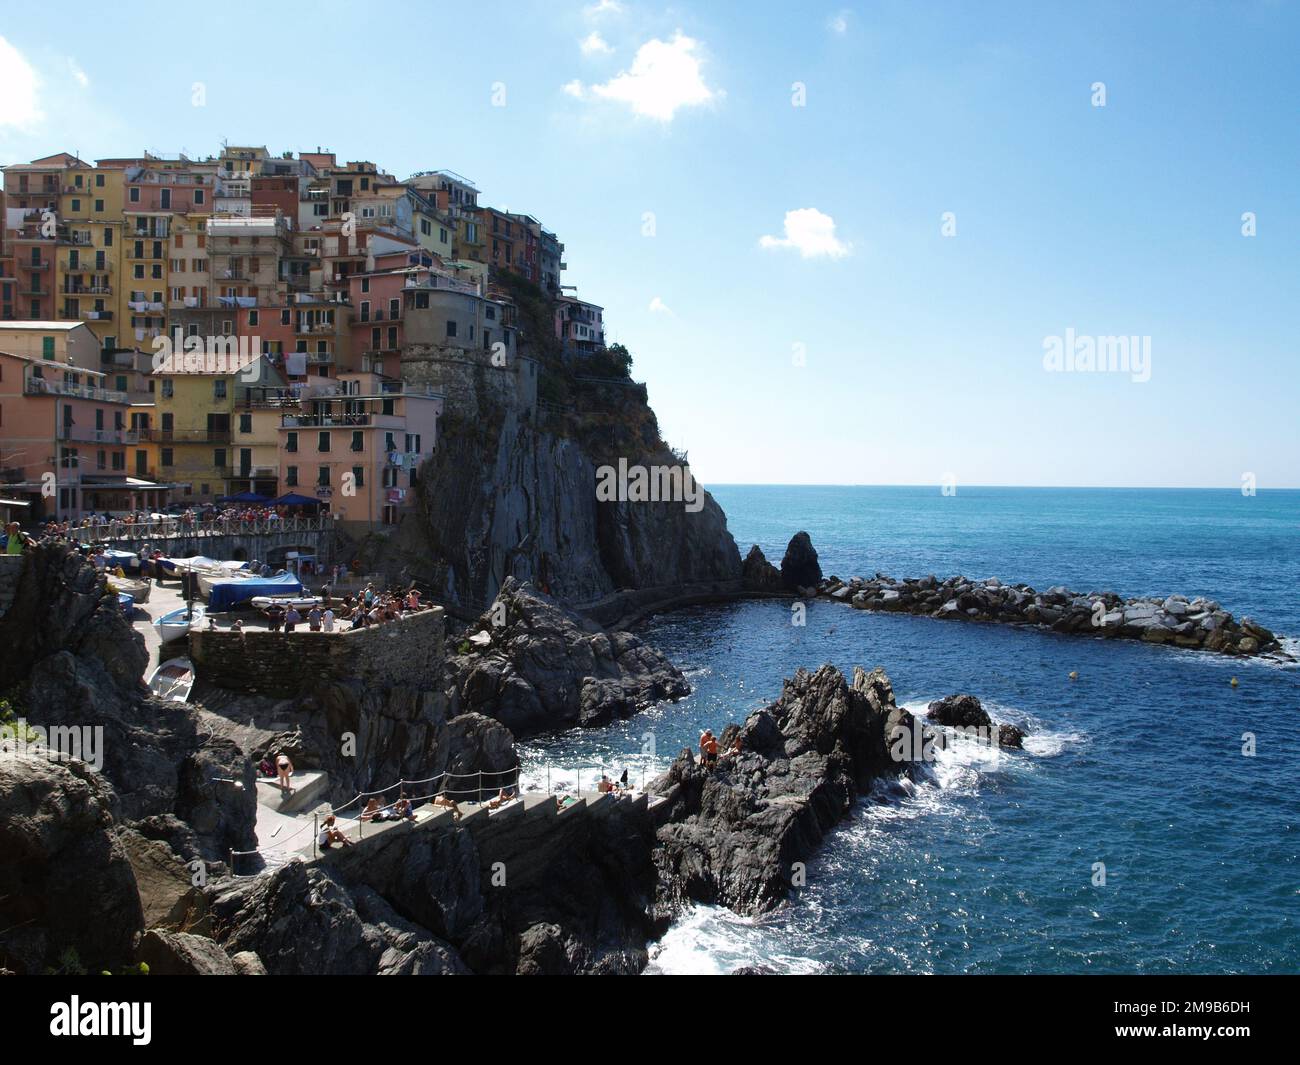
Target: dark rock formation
759	573
735	833
181	954
65	882
80	666
966	712
545	668
1177	621
301	920
800	568
574	897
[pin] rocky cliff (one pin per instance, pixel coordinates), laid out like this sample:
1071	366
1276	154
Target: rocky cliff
512	493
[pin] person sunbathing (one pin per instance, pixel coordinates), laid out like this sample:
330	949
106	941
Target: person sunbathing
504	796
441	800
402	810
373	811
330	835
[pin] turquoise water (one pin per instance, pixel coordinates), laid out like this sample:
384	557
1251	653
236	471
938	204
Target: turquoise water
989	864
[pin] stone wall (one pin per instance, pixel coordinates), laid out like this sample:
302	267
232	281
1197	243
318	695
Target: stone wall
467	376
286	665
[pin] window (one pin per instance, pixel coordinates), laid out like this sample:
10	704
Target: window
198	196
365	286
284	316
291	442
291	476
323	478
323	441
252	318
99	181
359	476
47	347
387	406
219	457
133	194
76	206
451	328
245	423
219	388
358	440
99	206
119	460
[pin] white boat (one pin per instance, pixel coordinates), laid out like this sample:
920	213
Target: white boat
137	590
208	577
302	602
173	680
173	626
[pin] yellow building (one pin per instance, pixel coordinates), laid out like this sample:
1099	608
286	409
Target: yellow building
89	270
199	395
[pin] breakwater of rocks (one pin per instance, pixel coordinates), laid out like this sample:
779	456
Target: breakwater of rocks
1199	623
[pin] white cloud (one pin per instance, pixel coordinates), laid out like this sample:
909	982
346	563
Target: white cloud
19	105
664	77
603	7
811	233
658	306
82	78
839	22
594	44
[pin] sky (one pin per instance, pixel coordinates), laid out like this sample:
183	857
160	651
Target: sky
840	242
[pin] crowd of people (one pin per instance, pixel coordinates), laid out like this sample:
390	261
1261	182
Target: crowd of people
331	614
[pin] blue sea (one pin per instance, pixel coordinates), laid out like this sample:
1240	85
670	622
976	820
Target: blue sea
991	864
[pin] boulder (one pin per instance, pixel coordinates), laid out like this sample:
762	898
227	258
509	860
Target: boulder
169	953
759	573
800	568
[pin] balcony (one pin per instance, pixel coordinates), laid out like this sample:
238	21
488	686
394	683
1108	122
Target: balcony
39	386
78	435
186	436
318	358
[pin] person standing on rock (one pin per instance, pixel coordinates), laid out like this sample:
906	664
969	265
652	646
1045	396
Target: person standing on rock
711	752
284	771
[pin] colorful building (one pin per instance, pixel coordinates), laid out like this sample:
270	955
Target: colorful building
359	449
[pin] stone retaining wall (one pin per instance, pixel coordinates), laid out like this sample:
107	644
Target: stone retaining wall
284	665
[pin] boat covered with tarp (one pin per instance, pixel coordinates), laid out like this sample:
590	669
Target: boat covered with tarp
229	593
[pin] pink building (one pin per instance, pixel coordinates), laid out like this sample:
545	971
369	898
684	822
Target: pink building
64	439
359	448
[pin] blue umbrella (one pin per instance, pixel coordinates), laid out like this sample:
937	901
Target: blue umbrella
292	499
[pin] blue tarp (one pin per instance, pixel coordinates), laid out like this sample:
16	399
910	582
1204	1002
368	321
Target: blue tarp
126	559
226	594
293	499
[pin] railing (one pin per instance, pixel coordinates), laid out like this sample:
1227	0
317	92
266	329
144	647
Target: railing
97	436
178	528
186	436
39	386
